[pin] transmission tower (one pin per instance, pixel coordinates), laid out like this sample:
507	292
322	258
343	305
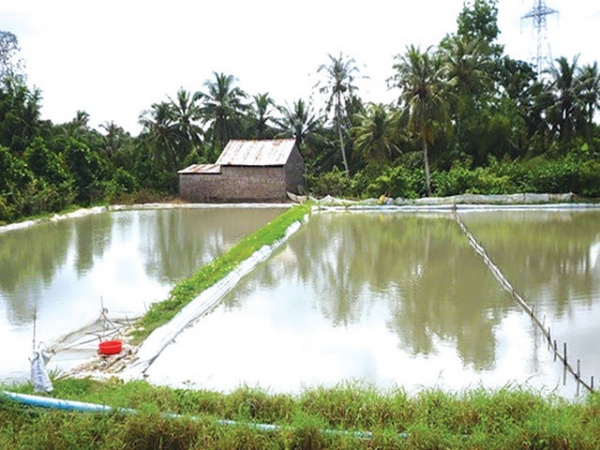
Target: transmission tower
538	15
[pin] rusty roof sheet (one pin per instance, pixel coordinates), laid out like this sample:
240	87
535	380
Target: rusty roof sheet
201	168
256	153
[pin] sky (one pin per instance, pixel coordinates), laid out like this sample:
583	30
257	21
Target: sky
115	58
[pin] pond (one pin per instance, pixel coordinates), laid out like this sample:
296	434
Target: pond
402	300
64	272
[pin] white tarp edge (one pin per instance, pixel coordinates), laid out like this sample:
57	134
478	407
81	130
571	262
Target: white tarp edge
160	338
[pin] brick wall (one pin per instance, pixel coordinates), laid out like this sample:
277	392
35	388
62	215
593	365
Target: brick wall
294	173
235	184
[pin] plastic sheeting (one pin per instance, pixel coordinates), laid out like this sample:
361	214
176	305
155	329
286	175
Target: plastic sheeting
475	199
153	346
39	374
465	202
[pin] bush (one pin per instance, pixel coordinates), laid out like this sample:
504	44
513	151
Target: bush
6	212
334	183
395	182
41	197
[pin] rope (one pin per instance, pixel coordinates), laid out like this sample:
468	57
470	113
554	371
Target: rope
518	298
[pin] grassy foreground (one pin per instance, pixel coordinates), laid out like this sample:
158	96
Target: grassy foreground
504	419
183	293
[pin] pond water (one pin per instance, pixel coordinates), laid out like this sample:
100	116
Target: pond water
399	299
64	272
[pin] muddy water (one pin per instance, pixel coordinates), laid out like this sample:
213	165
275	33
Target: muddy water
385	299
402	300
125	261
553	259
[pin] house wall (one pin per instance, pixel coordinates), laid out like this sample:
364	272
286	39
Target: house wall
294	173
235	184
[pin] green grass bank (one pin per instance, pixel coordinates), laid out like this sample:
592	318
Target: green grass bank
184	292
317	418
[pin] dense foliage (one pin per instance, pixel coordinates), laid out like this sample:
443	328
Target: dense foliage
468	118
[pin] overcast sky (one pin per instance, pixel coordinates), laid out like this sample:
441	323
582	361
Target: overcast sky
114	58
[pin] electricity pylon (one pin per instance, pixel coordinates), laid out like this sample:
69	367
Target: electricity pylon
538	15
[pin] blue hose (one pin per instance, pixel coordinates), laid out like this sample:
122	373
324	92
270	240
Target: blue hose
72	405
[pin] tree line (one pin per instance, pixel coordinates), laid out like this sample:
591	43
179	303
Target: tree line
467	118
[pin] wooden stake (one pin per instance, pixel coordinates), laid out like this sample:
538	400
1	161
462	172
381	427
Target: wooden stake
34	326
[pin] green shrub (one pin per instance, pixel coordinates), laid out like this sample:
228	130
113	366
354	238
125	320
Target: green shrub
394	182
334	183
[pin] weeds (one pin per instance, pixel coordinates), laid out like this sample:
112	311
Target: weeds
345	416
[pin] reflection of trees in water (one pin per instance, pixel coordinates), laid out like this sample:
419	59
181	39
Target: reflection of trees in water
178	242
545	254
452	296
93	236
434	285
31	258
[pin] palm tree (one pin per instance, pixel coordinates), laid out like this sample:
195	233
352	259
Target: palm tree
340	76
186	114
424	97
222	108
589	83
112	137
298	121
467	70
160	130
262	107
567	108
373	134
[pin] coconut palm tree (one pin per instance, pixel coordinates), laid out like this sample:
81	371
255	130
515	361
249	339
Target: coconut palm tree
298	121
419	75
340	75
589	83
262	108
466	69
373	135
160	130
222	108
186	115
112	137
567	109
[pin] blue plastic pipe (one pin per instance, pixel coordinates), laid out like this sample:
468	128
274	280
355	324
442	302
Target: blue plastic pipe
72	405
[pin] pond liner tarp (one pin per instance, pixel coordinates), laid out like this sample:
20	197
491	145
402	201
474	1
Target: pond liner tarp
463	199
160	338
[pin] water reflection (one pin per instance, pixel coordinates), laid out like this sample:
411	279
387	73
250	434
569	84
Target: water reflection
390	299
124	260
402	299
420	267
552	259
549	255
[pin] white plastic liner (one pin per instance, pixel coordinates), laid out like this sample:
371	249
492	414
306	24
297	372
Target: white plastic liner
160	338
146	206
54	218
39	374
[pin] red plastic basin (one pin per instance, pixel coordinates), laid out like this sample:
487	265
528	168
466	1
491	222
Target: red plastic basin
110	347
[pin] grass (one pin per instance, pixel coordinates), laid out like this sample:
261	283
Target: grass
317	418
184	292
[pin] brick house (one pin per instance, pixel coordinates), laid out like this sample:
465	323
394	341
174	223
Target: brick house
246	171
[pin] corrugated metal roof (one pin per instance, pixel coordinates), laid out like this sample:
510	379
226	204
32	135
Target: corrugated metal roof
202	168
256	153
